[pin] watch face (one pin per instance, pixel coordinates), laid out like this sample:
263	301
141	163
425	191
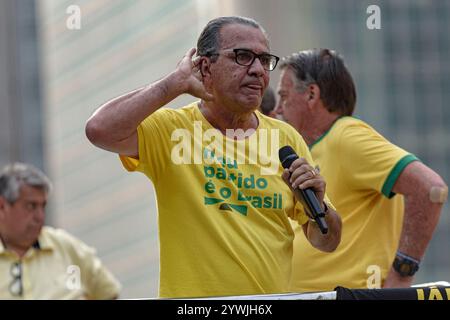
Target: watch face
405	267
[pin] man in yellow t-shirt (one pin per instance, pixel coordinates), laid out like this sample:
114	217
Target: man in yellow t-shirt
382	241
40	262
223	207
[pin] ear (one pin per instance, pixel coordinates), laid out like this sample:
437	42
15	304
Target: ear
313	94
2	207
205	67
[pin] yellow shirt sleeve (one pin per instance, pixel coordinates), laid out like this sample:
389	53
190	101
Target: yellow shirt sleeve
370	159
153	154
97	281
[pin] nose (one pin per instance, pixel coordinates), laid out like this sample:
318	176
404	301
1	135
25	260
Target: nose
256	68
39	215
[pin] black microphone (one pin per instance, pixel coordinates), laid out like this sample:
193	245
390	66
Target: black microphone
306	196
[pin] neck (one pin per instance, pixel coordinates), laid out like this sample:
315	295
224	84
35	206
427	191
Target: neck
19	250
315	129
222	118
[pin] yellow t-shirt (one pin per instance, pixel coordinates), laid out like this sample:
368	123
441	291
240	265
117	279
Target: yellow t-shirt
360	167
60	267
223	227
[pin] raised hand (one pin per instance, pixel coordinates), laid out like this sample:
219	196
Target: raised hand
188	70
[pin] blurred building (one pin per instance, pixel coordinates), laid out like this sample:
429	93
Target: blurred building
20	100
401	71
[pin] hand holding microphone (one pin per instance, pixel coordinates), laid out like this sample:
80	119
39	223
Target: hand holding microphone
313	186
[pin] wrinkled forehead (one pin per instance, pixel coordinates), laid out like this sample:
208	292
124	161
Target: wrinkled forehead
243	36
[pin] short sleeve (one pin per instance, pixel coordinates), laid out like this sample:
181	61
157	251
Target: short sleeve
96	280
369	160
154	136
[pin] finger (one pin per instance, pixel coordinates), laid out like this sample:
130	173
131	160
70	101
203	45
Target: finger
309	175
317	184
190	53
285	176
299	180
196	61
297	163
298	175
304	170
187	57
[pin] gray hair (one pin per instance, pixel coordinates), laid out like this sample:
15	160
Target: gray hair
325	68
208	42
15	175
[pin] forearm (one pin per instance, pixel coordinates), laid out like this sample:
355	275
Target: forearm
118	119
418	184
420	219
326	242
422	211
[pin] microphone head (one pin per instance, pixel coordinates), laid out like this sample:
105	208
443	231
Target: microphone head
287	155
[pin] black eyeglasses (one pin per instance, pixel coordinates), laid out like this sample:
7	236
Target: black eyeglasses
245	57
15	288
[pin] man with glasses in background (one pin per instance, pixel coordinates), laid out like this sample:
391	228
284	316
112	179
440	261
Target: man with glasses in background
223	215
37	261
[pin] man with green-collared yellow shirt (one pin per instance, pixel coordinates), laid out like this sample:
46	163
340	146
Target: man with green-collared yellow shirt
384	235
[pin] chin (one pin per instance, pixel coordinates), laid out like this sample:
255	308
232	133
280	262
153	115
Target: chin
251	104
35	232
